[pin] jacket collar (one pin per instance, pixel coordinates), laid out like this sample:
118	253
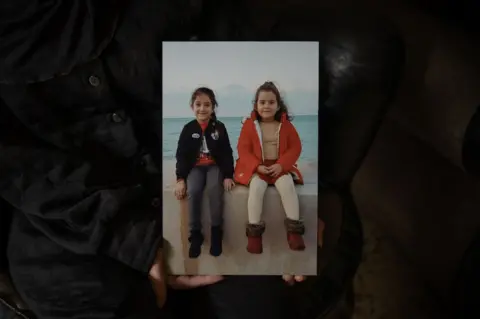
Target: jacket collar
211	123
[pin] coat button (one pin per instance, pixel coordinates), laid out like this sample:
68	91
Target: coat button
94	81
156	202
116	118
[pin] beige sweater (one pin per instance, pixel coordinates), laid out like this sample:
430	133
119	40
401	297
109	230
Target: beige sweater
270	139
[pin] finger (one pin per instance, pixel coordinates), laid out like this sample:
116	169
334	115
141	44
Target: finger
198	281
159	284
189	282
300	278
160	290
288	279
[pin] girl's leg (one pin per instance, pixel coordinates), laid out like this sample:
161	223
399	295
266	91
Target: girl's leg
195	185
289	197
255	227
215	191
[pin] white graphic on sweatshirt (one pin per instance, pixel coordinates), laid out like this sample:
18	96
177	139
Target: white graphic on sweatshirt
204	154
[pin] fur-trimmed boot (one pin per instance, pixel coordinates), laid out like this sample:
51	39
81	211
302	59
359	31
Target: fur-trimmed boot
216	237
295	231
254	235
196	241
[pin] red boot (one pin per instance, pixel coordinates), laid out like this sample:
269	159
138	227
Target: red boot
254	235
295	230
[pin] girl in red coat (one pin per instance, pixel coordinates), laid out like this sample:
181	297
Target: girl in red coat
268	149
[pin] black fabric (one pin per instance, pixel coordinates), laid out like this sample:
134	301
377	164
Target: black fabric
28	52
465	291
189	146
252	297
41	39
471	146
5	220
80	141
79	159
65	284
74	176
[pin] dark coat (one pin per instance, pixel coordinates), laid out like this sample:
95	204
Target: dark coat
81	148
80	141
218	143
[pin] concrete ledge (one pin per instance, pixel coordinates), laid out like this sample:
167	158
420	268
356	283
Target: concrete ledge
276	259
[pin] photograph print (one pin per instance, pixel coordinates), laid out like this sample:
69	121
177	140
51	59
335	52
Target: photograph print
240	153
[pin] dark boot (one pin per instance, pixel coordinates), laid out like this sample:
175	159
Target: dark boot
216	241
295	230
196	241
254	234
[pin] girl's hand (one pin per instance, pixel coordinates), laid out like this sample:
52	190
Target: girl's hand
262	169
275	170
228	184
180	190
291	279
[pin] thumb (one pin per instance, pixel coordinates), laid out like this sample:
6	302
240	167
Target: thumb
157	278
188	282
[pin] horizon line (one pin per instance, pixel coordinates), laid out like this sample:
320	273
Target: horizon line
233	116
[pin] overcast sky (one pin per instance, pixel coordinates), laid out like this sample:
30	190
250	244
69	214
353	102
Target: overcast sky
293	66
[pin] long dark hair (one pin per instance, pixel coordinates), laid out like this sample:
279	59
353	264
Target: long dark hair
208	92
283	108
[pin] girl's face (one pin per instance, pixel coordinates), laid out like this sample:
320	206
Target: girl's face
267	105
202	107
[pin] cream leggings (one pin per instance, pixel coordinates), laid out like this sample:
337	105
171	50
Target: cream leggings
288	195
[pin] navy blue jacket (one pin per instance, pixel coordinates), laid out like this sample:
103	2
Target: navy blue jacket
218	143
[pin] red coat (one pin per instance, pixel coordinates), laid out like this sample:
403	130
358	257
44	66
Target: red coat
250	150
